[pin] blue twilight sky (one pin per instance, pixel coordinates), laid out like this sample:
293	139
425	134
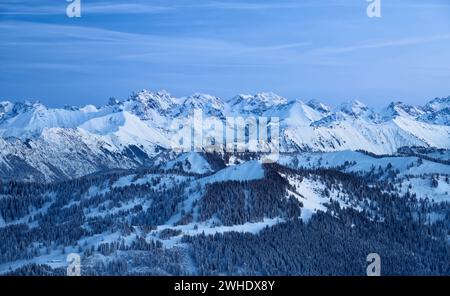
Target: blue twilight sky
301	49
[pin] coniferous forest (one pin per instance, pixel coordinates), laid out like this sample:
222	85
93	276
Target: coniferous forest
159	222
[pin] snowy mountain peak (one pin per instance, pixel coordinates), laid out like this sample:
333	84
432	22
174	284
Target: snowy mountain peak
437	104
5	108
354	108
437	112
300	114
266	98
256	104
400	109
318	106
270	99
9	109
148	105
71	108
203	100
113	101
160	100
5	104
210	105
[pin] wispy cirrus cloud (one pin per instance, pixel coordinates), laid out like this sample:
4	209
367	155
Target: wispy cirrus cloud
250	5
383	44
308	47
130	7
144	7
86	43
56	8
176	50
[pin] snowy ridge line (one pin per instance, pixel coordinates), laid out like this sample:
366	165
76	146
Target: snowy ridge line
45	144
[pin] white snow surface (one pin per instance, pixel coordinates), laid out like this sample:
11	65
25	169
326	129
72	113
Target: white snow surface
191	162
247	171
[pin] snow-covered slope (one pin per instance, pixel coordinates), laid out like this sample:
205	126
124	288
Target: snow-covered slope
250	170
124	128
28	120
361	163
189	162
132	214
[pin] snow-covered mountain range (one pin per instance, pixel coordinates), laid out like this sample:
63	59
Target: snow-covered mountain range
45	144
128	204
